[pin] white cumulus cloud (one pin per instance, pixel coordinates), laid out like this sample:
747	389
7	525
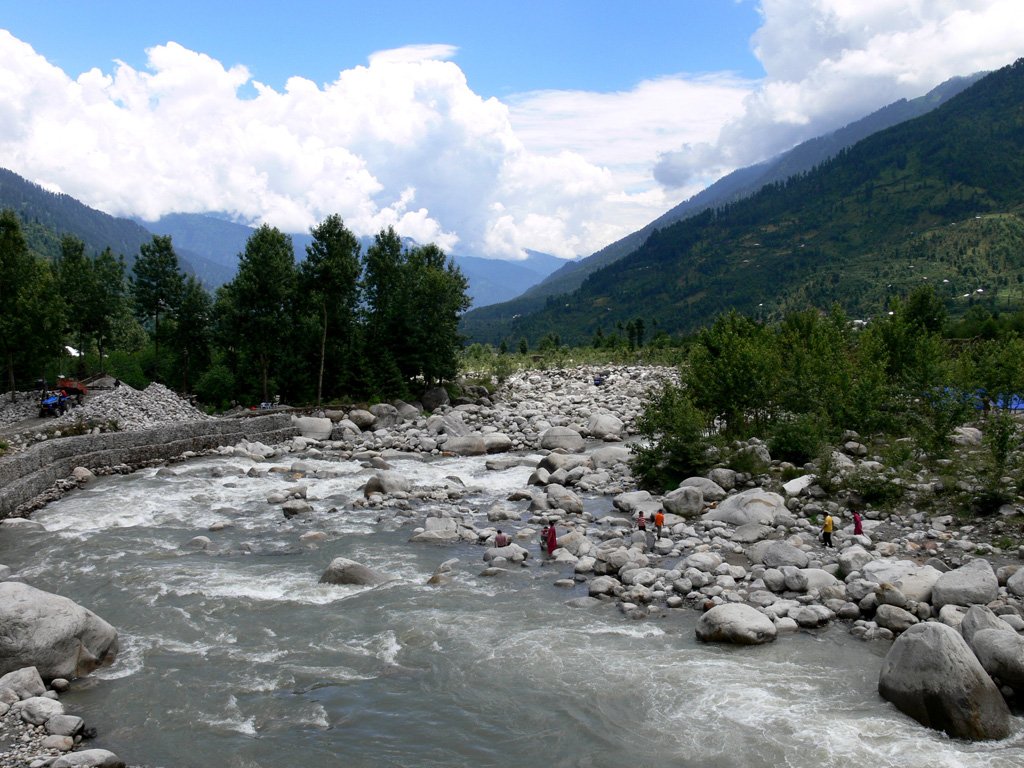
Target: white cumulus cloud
830	62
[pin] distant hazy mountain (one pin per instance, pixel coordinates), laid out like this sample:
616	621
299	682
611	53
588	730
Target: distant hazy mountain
735	186
46	217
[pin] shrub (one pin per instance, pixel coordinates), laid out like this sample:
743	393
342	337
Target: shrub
874	488
216	386
797	440
677	444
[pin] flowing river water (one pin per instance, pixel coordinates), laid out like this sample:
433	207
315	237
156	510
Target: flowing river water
236	656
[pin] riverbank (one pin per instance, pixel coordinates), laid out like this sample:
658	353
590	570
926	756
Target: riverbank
574	473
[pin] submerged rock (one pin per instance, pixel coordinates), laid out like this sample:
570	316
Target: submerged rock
737	623
345	571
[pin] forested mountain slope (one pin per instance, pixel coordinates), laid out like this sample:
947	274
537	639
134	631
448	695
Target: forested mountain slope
732	187
46	217
895	209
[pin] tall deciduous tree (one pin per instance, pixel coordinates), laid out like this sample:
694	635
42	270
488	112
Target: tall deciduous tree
157	282
31	314
385	323
76	281
330	281
110	303
192	329
261	296
435	297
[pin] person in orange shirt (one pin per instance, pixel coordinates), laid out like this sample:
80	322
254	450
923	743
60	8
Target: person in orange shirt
659	522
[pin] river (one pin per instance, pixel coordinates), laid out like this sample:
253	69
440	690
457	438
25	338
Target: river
236	656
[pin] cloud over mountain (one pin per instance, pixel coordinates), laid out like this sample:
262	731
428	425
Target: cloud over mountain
829	62
404	140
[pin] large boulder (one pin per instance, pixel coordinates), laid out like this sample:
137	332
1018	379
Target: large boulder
977	618
38	709
780	553
854	559
434	398
735	623
386	415
604	425
386	482
345	571
973	583
685	501
513	553
88	758
563	438
709	489
468	445
560	497
610	455
752	506
51	633
931	675
361	418
895	619
914	581
1015	584
1001	653
497	442
313	427
24	683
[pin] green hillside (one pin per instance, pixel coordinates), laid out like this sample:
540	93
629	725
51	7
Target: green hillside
46	217
730	188
896	208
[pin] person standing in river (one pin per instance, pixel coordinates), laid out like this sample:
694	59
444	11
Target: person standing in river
552	539
826	531
641	522
858	525
659	523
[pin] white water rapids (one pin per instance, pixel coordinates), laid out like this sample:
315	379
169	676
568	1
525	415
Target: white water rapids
236	656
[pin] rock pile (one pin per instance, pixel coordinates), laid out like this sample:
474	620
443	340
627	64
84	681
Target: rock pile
131	409
25	406
551	409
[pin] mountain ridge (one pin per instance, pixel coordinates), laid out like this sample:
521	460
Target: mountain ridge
842	232
740	183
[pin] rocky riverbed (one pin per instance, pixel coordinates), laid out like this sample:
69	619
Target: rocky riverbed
742	548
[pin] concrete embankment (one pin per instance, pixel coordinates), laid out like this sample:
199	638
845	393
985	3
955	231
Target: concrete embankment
28	474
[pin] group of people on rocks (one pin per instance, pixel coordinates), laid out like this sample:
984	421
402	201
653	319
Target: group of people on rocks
549	533
657	520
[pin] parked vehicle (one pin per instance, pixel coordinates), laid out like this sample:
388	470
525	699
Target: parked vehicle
54	404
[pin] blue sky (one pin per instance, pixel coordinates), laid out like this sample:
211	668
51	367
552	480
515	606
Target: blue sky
504	47
487	127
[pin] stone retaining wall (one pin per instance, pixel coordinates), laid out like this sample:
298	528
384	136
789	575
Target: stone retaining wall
26	475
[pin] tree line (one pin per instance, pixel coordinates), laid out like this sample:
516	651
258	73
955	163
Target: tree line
802	382
342	323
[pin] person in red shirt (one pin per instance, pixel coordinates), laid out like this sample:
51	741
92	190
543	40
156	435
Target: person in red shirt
552	540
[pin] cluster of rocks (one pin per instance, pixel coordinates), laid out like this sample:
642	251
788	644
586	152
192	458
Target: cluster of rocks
47	637
528	404
132	409
24	406
122	408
